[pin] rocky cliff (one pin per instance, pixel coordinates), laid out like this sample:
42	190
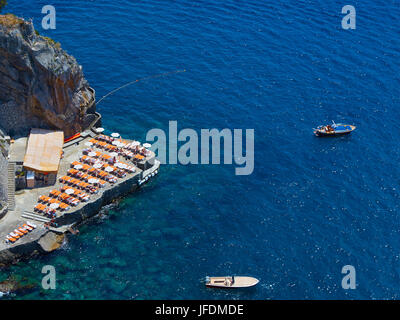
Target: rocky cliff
40	84
4	148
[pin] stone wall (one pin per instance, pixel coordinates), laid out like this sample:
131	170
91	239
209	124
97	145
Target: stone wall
3	209
48	241
3	176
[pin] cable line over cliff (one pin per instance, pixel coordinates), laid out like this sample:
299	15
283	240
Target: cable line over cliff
138	80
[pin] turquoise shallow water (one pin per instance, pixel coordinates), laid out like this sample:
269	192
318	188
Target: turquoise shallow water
310	207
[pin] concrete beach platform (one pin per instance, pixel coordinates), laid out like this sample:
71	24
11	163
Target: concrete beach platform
42	239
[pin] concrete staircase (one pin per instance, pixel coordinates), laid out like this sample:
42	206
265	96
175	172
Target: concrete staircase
11	186
34	216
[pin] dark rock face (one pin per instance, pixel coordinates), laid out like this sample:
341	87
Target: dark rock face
40	84
3	178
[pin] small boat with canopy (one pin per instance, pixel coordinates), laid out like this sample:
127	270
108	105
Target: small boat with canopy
334	129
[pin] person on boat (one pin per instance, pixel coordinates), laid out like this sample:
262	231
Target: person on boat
233	280
329	128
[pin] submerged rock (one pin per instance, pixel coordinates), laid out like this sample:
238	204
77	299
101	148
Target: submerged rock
14	286
40	84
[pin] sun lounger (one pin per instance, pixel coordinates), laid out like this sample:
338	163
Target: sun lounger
29	228
75	163
75	181
72	172
129	168
89	188
22	230
65	179
63	196
139	157
81	195
10	239
31	224
14	235
55	193
121	173
84	197
81	185
90	161
102	174
64	206
38	208
16	231
69	199
79	175
111	179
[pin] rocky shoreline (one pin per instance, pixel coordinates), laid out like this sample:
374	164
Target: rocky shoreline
51	239
41	86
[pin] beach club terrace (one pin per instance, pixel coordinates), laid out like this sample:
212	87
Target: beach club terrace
55	179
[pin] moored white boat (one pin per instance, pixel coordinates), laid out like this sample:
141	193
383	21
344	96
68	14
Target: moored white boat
231	282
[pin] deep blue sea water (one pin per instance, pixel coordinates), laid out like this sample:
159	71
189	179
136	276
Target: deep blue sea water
311	205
